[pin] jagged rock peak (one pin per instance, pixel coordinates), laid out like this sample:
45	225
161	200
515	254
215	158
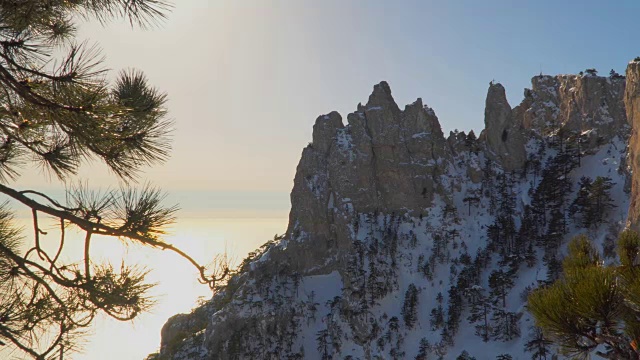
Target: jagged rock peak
381	98
497	113
325	129
384	159
502	134
497	95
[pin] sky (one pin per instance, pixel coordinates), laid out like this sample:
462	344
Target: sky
247	79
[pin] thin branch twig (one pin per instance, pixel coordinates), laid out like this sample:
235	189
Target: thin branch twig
103	229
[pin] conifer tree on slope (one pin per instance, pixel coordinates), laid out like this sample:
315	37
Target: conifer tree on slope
436	318
410	306
424	349
505	323
551	193
322	340
454	311
500	282
593	201
479	312
556	230
580	208
592	308
600	198
465	356
538	345
57	111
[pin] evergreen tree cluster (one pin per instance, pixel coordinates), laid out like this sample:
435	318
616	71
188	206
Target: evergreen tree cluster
593	201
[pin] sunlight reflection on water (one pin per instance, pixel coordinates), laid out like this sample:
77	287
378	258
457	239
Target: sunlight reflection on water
178	289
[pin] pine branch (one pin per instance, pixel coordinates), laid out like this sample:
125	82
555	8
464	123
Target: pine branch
126	231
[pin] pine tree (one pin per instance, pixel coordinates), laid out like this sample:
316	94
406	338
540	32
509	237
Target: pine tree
600	198
530	256
424	349
494	235
554	268
470	200
538	345
559	183
504	357
312	307
534	164
593	201
454	311
539	207
581	206
439	250
394	338
593	308
479	311
487	177
527	233
465	356
427	270
450	214
436	318
555	233
322	340
336	336
500	283
470	142
410	306
469	276
59	109
503	231
613	74
505	325
376	282
551	193
571	152
446	336
507	229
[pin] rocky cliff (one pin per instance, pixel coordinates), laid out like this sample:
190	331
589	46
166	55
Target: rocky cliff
632	104
393	227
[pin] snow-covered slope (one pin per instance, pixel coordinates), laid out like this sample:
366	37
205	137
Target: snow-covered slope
405	245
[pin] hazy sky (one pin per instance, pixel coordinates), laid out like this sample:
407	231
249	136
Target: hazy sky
246	80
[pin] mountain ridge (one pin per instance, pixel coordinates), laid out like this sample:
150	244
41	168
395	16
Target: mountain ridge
387	211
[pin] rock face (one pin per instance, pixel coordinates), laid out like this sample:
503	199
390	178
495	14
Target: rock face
632	104
383	160
385	210
503	135
587	105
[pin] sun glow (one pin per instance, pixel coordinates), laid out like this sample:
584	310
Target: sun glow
177	289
